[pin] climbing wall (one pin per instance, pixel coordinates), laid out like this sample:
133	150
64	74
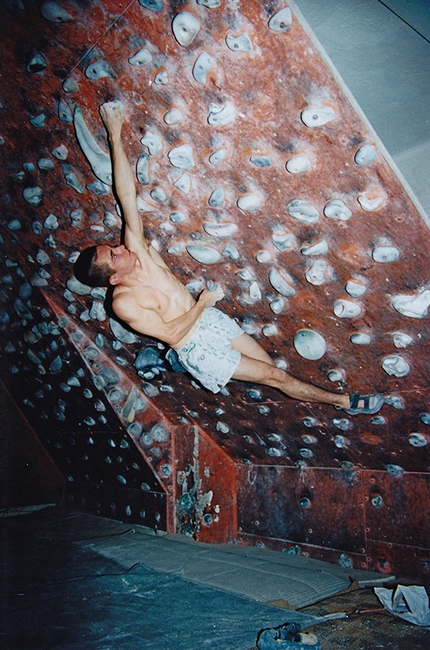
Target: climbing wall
254	171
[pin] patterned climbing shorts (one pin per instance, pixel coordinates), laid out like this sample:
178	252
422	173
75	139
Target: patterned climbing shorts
208	355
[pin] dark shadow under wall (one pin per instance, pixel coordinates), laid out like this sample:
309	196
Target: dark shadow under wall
28	476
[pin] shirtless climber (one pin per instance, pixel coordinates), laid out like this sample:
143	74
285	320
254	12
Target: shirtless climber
151	300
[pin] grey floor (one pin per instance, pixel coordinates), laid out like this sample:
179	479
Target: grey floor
381	50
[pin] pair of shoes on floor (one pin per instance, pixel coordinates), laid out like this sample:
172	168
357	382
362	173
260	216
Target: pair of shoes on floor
287	637
364	404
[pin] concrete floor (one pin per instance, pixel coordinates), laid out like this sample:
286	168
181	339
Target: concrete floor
72	581
382	52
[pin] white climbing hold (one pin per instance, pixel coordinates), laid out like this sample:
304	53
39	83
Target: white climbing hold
401	340
203	254
366	154
385	254
413	306
281	21
346	309
221	230
309	344
185	28
316	249
360	338
280	281
395	365
241	43
337	209
298	164
249	202
303	211
142	57
182	157
221	115
202	67
355	289
317	116
318	272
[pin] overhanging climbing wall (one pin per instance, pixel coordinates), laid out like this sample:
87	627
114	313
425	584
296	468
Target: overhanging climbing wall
253	171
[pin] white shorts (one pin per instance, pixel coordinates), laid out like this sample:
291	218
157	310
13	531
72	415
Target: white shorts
208	355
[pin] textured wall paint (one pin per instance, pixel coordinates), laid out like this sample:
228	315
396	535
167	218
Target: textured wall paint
299	224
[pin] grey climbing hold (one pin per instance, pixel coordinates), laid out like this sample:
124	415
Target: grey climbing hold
121	333
298	164
280	282
320	248
216	198
318	273
231	252
185	28
218	156
303	211
161	79
33	195
360	338
240	43
153	5
255	292
53	12
99	160
281	21
203	254
173	116
378	419
60	152
72	180
309	344
221	115
413	306
153	142
366	154
140	58
51	222
346	309
425	417
283	241
417	440
385	254
337	209
158	194
395	365
70	85
221	230
36	64
202	67
178	217
277	305
249	202
401	340
261	161
38	120
317	116
64	112
183	183
210	4
355	289
99	70
142	168
182	157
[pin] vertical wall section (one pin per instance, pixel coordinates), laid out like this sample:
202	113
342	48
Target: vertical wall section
253	171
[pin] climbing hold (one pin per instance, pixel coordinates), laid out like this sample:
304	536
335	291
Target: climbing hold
202	67
33	195
355	289
255	292
221	115
218	156
360	338
346	309
54	13
317	116
142	57
385	254
249	202
178	217
263	257
210	4
172	117
280	282
261	161
183	183
142	168
60	152
241	43
369	201
317	249
413	306
425	417
99	70
303	211
161	79
231	252
221	230
401	340
153	142
318	272
336	209
64	112
182	157
153	5
99	160
185	28
158	194
336	375
216	198
203	254
395	365
277	305
298	164
283	241
309	344
37	64
281	21
417	440
366	154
